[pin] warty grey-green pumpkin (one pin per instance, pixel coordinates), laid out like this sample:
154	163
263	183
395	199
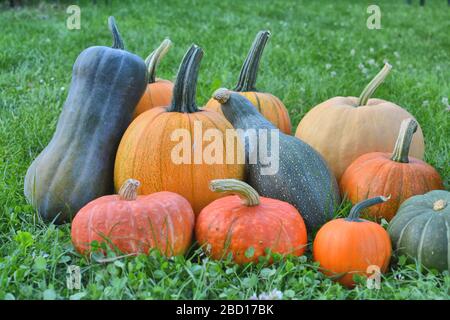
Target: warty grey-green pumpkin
77	165
421	229
303	178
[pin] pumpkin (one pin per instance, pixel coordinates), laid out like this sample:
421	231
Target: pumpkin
248	226
348	246
281	166
159	91
344	128
77	165
420	230
164	149
267	104
135	224
396	174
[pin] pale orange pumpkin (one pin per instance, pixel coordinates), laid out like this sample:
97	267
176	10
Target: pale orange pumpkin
343	128
267	104
159	91
152	152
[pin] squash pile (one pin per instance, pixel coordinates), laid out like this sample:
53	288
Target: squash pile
177	178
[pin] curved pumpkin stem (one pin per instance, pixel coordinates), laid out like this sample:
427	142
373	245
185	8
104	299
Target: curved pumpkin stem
128	191
357	208
222	95
185	86
249	70
373	85
117	39
155	57
404	139
249	195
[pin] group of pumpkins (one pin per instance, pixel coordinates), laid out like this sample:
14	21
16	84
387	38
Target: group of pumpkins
114	133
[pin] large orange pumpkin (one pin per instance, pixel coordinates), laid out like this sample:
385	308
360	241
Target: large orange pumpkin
343	128
390	173
164	148
246	225
348	246
159	91
134	224
267	104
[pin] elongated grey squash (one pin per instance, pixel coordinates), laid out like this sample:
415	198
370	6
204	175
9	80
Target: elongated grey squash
303	178
77	165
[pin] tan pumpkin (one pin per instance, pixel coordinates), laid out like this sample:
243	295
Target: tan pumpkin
343	128
267	104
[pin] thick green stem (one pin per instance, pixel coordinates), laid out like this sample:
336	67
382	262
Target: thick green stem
403	143
117	39
249	70
185	87
373	85
248	195
357	208
128	191
155	57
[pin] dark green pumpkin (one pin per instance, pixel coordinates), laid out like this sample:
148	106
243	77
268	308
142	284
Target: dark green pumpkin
303	178
421	229
77	165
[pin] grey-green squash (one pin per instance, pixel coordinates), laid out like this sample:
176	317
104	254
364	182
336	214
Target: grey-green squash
77	165
281	166
421	229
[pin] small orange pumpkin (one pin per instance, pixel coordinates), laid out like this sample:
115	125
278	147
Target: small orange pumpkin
348	246
159	91
248	223
390	173
151	151
267	104
134	224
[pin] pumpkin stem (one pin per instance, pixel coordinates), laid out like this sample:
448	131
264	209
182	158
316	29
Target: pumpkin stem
403	143
249	70
374	84
222	95
117	39
185	86
128	191
155	57
249	195
439	205
357	208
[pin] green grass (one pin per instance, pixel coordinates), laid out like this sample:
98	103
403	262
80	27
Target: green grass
311	42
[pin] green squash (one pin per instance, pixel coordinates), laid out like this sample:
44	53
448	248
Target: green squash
421	229
302	178
77	165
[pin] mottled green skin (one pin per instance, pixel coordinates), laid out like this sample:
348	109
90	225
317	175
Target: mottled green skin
422	233
77	165
303	179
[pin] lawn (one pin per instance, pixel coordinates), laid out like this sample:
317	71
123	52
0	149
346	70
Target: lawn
318	49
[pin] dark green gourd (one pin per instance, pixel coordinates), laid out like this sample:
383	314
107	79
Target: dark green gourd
303	178
77	165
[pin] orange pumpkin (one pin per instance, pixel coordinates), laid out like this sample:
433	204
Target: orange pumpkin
134	224
151	150
267	104
159	91
390	173
247	224
348	246
344	128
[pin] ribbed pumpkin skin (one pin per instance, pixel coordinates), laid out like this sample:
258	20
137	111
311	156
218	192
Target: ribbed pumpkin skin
157	94
162	220
77	165
145	154
341	132
420	232
375	173
267	104
227	226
